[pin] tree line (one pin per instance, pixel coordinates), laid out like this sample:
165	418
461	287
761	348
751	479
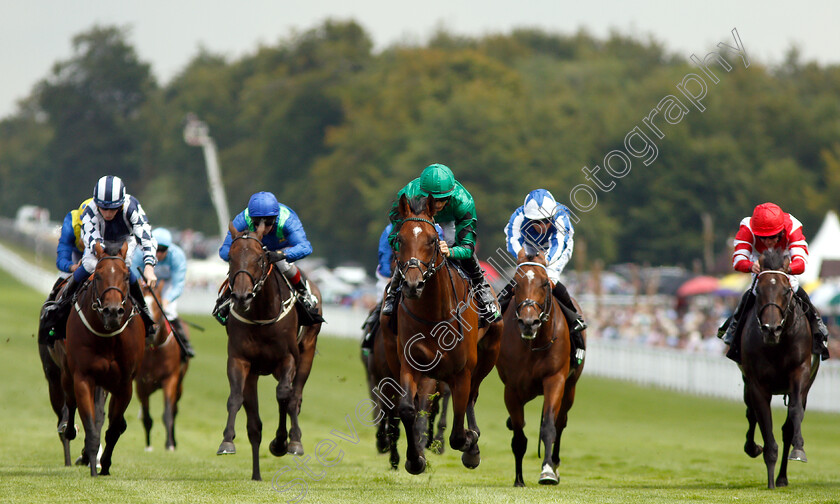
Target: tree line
335	129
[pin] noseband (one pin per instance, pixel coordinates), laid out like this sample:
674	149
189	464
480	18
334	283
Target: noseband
788	292
431	267
545	307
263	267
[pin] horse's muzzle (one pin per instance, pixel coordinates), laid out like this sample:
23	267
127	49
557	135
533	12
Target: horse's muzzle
771	333
412	290
111	316
242	302
528	328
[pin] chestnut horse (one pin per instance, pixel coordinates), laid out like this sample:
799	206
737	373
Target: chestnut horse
263	339
535	361
438	333
776	360
162	369
104	348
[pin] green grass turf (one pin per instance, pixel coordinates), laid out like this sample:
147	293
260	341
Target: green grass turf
624	443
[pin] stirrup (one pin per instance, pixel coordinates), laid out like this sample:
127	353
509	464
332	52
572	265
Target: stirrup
580	325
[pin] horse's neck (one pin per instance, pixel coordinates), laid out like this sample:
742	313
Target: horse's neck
554	325
271	295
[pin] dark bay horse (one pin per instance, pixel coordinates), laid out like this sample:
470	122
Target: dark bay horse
386	398
776	360
162	369
264	338
534	360
104	348
438	334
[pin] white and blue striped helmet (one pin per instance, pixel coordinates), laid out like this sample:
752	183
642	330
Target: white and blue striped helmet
539	205
109	192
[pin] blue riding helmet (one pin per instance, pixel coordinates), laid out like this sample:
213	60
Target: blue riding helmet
163	237
109	192
263	204
539	205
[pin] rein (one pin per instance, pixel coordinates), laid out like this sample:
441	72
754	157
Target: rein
96	304
288	303
545	308
788	292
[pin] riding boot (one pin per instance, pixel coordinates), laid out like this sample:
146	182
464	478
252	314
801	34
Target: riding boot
562	294
143	308
222	309
730	334
181	336
56	312
370	326
488	309
307	299
391	295
505	296
819	331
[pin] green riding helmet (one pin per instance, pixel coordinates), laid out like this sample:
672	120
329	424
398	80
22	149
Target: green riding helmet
437	180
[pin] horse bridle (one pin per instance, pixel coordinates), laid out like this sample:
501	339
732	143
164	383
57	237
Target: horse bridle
431	266
96	304
788	292
545	307
263	267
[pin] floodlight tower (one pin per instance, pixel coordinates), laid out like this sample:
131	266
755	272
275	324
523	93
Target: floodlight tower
197	134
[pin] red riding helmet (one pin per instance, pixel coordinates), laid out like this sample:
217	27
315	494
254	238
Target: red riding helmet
767	220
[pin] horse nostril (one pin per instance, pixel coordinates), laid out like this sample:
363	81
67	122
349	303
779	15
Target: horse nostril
121	311
249	296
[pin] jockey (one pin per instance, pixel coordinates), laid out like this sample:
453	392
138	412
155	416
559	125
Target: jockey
70	246
544	225
114	215
284	231
456	215
383	276
771	228
172	268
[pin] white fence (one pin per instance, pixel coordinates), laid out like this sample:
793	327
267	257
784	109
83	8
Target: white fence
693	373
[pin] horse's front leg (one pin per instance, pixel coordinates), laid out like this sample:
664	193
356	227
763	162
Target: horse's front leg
414	462
553	389
286	441
237	370
170	398
760	403
254	424
120	398
516	422
83	390
143	395
792	432
460	439
750	448
445	394
563	419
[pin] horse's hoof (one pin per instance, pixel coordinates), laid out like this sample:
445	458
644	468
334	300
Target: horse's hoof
470	459
798	455
781	482
382	444
417	467
296	448
81	461
170	448
226	448
519	483
753	451
548	476
150	449
278	449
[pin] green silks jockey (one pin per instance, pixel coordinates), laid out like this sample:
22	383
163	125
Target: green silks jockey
456	215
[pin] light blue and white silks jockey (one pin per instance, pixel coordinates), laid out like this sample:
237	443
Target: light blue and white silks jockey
172	269
130	222
386	254
557	242
288	236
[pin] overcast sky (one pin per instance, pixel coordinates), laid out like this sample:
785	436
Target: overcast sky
167	33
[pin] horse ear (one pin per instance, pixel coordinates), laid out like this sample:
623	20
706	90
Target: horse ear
99	250
402	206
234	233
786	265
124	249
520	256
761	261
260	231
430	205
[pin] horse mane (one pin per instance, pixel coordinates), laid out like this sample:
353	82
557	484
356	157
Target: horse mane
418	204
531	252
112	247
774	259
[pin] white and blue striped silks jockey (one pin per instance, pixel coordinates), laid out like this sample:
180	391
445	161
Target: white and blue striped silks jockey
557	242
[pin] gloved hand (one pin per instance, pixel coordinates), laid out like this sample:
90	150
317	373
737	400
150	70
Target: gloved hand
274	256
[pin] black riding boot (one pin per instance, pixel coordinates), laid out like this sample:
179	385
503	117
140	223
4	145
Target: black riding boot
143	308
488	310
731	328
55	312
222	309
391	295
181	336
575	321
505	296
370	326
818	329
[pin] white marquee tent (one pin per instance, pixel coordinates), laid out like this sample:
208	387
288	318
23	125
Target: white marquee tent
824	245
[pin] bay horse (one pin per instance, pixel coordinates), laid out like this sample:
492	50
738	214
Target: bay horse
104	348
162	368
432	401
438	334
534	360
776	359
264	338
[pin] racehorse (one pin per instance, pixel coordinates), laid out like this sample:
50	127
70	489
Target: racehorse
535	360
263	338
104	348
162	369
438	333
776	359
386	398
